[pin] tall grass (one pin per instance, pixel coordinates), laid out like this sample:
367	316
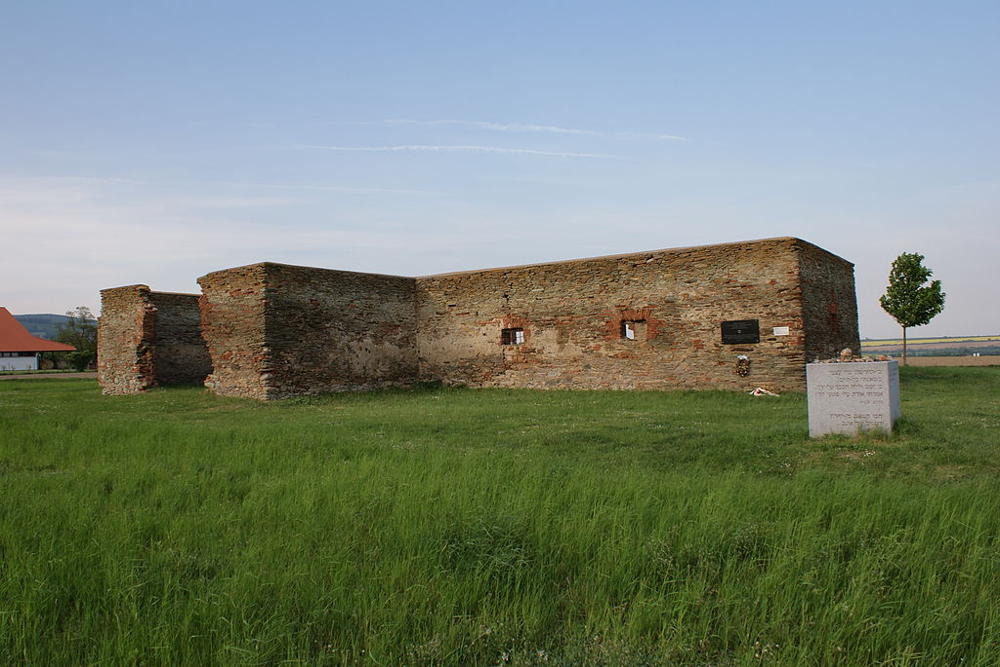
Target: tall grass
482	527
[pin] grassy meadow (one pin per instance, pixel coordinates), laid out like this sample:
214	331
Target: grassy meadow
451	526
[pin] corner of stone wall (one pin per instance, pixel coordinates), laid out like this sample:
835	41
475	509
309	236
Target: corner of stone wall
233	310
126	361
829	302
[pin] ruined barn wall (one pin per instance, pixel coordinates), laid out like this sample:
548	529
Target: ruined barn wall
125	340
830	306
232	325
571	314
180	352
338	330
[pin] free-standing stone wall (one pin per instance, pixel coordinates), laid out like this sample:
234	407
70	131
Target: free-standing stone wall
276	330
731	316
232	324
573	317
147	338
829	304
125	332
338	330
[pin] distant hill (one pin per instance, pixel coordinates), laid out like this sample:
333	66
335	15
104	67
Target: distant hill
43	326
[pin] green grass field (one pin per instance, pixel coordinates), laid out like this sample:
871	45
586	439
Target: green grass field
446	526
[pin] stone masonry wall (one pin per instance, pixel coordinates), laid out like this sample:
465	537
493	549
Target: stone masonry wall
179	350
830	307
125	340
275	330
571	314
147	338
232	324
338	330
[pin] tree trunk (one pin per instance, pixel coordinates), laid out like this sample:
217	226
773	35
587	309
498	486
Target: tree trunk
904	346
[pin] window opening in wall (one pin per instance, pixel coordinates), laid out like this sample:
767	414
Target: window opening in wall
633	329
512	336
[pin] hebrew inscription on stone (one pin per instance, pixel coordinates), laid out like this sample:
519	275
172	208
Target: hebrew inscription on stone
852	397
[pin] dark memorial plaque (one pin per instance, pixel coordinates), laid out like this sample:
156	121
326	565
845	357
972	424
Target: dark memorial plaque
736	332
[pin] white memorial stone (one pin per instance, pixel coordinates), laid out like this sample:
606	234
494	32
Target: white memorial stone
852	397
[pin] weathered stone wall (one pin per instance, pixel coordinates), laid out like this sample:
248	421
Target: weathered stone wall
179	350
338	330
571	314
829	304
125	340
232	325
147	338
275	330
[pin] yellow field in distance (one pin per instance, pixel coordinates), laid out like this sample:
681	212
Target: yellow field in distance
927	341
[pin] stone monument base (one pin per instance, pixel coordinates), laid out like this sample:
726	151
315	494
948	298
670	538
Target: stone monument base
852	397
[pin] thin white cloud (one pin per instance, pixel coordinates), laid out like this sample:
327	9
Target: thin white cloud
531	127
22	187
214	201
456	149
649	135
50	192
344	189
69	180
498	127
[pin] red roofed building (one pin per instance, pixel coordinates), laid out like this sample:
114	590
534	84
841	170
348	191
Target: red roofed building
19	350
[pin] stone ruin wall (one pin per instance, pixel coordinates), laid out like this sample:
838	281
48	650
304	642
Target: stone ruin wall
147	338
178	348
571	314
339	330
276	330
125	340
829	304
232	324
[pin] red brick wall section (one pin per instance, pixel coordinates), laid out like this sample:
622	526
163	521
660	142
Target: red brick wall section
571	313
180	352
830	307
338	330
125	340
232	325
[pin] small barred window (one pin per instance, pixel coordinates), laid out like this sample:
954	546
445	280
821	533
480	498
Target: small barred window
512	336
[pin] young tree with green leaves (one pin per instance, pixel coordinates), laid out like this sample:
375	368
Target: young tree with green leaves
80	331
911	302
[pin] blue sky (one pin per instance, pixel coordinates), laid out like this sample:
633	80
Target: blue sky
153	144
